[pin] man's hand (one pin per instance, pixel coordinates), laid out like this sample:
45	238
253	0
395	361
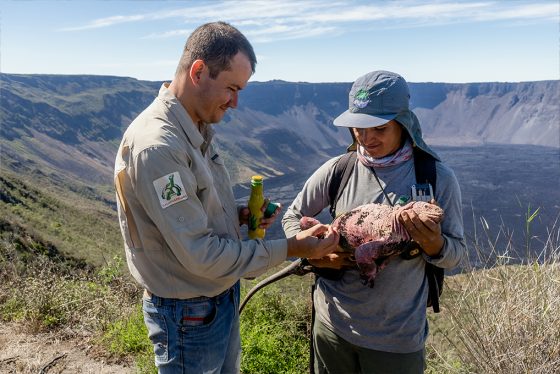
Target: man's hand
266	221
244	215
335	260
306	243
423	231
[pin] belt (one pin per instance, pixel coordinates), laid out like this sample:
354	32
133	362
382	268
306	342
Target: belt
148	294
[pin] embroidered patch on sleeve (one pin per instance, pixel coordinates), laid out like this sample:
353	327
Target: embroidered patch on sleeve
170	189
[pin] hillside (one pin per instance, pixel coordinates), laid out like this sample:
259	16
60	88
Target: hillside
59	135
502	113
73	124
67	124
58	218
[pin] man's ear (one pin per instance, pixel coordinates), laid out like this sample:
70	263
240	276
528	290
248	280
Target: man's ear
196	70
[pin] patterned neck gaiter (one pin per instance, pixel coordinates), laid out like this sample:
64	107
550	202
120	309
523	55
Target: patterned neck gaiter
402	155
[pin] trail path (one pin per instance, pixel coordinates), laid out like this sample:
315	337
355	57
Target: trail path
48	353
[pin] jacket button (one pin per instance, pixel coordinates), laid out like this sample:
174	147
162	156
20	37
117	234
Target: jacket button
181	219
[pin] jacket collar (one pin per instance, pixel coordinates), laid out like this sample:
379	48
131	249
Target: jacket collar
182	116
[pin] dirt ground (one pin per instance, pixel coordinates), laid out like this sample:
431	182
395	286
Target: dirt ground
42	353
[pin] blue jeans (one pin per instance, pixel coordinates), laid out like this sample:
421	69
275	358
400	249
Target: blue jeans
198	335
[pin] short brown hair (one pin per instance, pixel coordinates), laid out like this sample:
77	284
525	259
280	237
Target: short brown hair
216	44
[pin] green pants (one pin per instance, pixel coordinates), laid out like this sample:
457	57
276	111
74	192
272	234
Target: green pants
334	355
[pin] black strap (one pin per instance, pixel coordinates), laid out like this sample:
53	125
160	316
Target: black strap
342	171
311	345
425	169
382	189
435	277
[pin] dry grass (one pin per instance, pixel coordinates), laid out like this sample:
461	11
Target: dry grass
62	295
503	319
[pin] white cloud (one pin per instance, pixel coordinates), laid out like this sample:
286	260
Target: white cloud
395	12
107	22
169	34
286	32
266	21
258	12
522	12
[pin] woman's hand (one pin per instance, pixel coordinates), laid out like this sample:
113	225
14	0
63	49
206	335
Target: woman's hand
423	231
336	260
313	243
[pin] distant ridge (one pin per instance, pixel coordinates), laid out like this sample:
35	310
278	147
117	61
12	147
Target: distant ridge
61	132
74	122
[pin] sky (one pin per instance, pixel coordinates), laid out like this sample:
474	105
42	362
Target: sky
296	41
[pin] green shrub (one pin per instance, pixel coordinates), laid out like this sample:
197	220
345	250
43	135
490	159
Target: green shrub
275	332
128	335
12	309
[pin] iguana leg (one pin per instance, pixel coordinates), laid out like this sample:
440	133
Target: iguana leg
374	256
307	222
367	255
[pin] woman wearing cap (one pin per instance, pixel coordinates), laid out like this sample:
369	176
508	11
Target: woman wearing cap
382	329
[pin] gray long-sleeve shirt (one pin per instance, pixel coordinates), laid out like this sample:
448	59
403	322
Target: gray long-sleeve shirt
391	316
177	212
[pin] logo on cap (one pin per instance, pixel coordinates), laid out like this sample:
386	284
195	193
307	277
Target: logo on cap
361	100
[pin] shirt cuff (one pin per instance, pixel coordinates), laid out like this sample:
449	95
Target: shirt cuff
278	250
439	257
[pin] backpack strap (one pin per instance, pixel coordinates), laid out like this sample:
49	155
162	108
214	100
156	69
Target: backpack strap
342	171
425	168
435	277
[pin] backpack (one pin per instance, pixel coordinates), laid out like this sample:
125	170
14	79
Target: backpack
425	168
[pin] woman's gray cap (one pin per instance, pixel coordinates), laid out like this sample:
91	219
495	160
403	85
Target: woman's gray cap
375	99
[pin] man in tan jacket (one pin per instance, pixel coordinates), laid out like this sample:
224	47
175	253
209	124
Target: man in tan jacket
178	215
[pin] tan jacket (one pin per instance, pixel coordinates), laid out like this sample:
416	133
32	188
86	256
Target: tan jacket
176	208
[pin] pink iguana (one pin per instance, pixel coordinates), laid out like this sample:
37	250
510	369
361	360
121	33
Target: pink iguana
374	233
